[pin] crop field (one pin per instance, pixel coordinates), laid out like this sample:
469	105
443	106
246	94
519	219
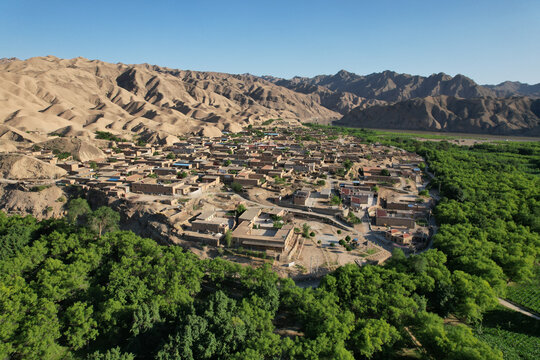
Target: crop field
526	294
516	335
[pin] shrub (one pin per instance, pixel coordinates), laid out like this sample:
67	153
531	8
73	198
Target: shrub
104	135
236	187
336	200
227	239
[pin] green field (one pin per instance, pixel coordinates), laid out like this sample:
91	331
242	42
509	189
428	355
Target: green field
516	335
526	294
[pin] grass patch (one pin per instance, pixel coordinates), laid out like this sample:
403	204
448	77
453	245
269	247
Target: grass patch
39	188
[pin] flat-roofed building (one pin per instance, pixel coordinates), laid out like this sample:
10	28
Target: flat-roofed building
398	236
151	186
265	239
210	221
301	197
385	218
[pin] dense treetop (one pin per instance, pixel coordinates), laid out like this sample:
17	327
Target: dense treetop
79	288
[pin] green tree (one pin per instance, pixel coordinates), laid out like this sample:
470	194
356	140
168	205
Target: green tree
78	210
240	209
103	220
182	174
228	238
305	230
236	187
81	326
111	354
371	336
450	342
423	193
336	200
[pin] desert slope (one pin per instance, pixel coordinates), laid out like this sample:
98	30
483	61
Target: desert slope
76	97
20	167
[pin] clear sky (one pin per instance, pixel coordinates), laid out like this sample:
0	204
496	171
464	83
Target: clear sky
487	40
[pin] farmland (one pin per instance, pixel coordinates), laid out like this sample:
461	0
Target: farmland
526	294
516	335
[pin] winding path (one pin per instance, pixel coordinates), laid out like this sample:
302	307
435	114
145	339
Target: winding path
518	308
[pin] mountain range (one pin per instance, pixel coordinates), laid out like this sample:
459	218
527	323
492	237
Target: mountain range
76	97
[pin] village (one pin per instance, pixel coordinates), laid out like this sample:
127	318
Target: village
305	202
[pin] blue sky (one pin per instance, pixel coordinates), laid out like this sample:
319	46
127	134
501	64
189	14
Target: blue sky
489	41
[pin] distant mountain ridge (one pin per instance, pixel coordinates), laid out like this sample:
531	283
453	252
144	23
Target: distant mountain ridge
76	97
391	86
512	88
438	102
498	116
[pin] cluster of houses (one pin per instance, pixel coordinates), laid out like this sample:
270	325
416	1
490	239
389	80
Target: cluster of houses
401	215
197	166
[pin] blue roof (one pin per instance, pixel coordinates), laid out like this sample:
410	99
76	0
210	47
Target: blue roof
181	164
113	179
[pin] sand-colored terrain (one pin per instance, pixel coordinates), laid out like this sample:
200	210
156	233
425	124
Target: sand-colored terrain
20	167
78	148
43	202
76	97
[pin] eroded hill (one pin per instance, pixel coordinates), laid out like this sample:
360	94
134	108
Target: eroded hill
77	97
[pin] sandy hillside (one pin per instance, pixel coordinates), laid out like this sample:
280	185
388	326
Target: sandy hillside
19	167
78	148
76	97
45	203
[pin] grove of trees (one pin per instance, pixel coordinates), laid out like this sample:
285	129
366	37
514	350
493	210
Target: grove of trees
80	288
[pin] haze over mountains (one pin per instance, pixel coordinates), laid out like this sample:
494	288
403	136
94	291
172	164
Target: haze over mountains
76	97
